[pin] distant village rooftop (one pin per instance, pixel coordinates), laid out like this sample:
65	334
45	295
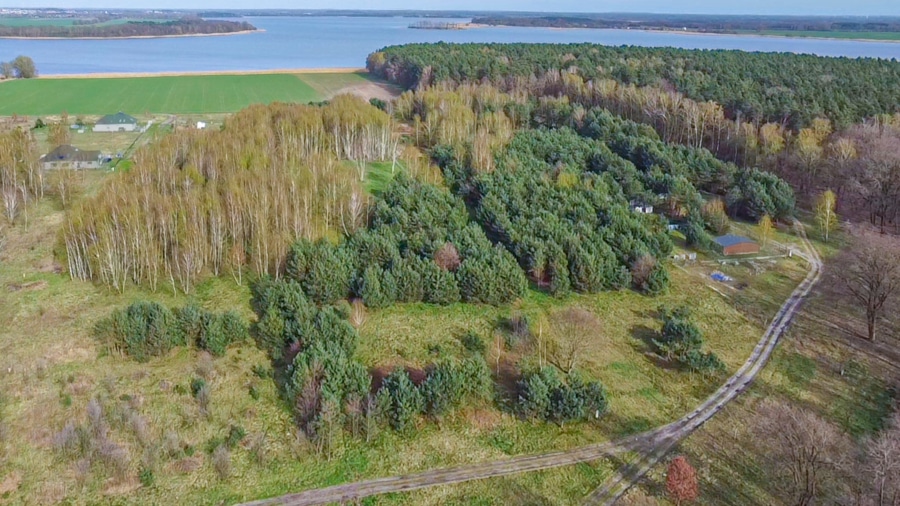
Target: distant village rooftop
736	245
119	118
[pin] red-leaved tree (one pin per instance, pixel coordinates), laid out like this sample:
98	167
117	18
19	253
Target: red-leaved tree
681	481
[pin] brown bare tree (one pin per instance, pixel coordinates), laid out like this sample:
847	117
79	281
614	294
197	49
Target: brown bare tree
870	270
572	331
681	481
447	257
803	445
882	465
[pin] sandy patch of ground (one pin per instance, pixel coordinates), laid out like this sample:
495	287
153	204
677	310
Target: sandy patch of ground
10	483
369	91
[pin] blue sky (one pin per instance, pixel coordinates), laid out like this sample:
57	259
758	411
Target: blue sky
822	7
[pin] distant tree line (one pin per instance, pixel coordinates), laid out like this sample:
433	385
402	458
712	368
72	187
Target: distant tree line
184	26
782	88
712	24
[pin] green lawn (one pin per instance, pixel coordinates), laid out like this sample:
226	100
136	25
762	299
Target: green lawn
170	94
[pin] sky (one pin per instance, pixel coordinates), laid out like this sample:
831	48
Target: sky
819	7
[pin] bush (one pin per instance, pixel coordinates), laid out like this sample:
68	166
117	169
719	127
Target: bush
473	343
681	340
494	278
143	330
377	289
401	398
322	269
221	460
148	329
543	394
236	434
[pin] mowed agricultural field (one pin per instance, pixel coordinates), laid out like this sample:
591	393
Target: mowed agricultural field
171	94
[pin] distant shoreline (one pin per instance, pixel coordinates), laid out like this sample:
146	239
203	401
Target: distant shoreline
241	32
188	73
686	32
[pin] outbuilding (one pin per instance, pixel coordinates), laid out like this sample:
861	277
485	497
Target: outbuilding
730	245
118	122
70	157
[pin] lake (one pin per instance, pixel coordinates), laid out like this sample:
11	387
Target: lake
327	42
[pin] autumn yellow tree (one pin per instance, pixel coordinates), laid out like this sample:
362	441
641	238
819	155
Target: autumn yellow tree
764	230
826	218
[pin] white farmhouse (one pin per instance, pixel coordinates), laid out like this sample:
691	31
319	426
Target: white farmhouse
119	122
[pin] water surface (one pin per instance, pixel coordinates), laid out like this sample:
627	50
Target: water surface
325	42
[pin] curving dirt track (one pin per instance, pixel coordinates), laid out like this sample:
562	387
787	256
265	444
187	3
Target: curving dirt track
651	445
671	434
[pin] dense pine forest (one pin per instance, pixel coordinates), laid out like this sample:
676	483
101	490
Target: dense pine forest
782	88
818	123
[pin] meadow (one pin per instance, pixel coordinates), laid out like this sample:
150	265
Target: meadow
52	376
190	94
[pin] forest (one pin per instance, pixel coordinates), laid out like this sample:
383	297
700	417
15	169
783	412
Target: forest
788	89
185	26
849	147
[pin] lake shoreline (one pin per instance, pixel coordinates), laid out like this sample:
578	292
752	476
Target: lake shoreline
474	26
188	73
137	37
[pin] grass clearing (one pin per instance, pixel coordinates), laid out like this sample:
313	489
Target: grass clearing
820	366
191	94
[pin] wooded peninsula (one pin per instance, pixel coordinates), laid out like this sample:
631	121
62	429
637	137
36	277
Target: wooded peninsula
128	28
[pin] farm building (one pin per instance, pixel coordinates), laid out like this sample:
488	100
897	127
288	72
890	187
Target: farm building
641	207
730	245
70	157
119	122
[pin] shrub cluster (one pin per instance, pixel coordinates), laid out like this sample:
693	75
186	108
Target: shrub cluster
682	341
447	384
148	329
544	394
327	385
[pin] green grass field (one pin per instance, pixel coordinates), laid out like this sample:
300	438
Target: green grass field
168	94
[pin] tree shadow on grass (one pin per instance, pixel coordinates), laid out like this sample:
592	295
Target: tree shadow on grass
645	336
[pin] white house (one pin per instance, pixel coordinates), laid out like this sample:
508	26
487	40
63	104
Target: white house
119	122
